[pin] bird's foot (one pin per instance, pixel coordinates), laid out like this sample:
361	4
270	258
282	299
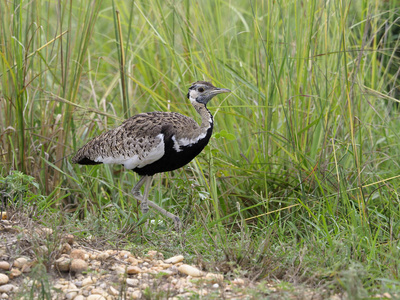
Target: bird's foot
144	207
178	223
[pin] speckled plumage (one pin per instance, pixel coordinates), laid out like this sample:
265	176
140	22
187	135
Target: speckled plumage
154	142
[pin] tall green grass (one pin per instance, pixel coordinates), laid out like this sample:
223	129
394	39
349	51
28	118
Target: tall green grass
300	181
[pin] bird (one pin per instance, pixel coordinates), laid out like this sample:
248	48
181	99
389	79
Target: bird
155	142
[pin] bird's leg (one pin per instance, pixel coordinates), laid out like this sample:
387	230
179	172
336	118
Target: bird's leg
166	213
136	193
145	203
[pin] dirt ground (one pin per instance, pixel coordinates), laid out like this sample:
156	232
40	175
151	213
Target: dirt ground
38	263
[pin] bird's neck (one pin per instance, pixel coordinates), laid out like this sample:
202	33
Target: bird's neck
206	116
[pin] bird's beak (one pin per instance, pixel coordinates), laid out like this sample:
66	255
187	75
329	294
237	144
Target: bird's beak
217	91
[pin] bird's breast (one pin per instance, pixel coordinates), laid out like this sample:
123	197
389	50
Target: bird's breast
177	153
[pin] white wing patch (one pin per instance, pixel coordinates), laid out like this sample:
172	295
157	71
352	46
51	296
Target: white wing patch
136	161
186	142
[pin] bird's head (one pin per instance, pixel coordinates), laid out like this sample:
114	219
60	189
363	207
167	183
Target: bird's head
203	91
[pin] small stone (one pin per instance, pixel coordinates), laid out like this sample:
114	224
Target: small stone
103	286
3	215
133	270
103	256
238	281
3	279
26	268
15	273
80	297
46	231
132	282
189	270
4	296
133	261
88	280
165	273
136	295
153	254
120	270
174	269
174	259
43	249
111	252
97	291
113	291
79	277
4	265
124	254
164	266
62	264
19	262
95	297
71	287
78	254
69	238
6	288
214	277
66	248
215	286
78	265
71	295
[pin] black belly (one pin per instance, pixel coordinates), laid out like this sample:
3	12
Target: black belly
172	159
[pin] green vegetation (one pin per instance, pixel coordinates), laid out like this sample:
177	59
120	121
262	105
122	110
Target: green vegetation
301	179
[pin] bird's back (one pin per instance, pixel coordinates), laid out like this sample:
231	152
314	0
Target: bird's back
140	142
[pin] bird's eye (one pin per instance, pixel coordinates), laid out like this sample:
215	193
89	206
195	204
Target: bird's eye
201	90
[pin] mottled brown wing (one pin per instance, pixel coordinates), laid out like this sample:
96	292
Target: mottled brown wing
136	142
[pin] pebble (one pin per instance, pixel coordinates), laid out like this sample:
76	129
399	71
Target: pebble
133	261
238	281
87	281
78	265
214	277
96	297
15	273
132	282
6	288
136	294
78	254
124	254
133	270
26	268
174	259
80	297
3	279
103	256
4	296
215	286
4	265
69	238
113	291
71	295
120	270
20	262
98	291
62	264
66	248
189	270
